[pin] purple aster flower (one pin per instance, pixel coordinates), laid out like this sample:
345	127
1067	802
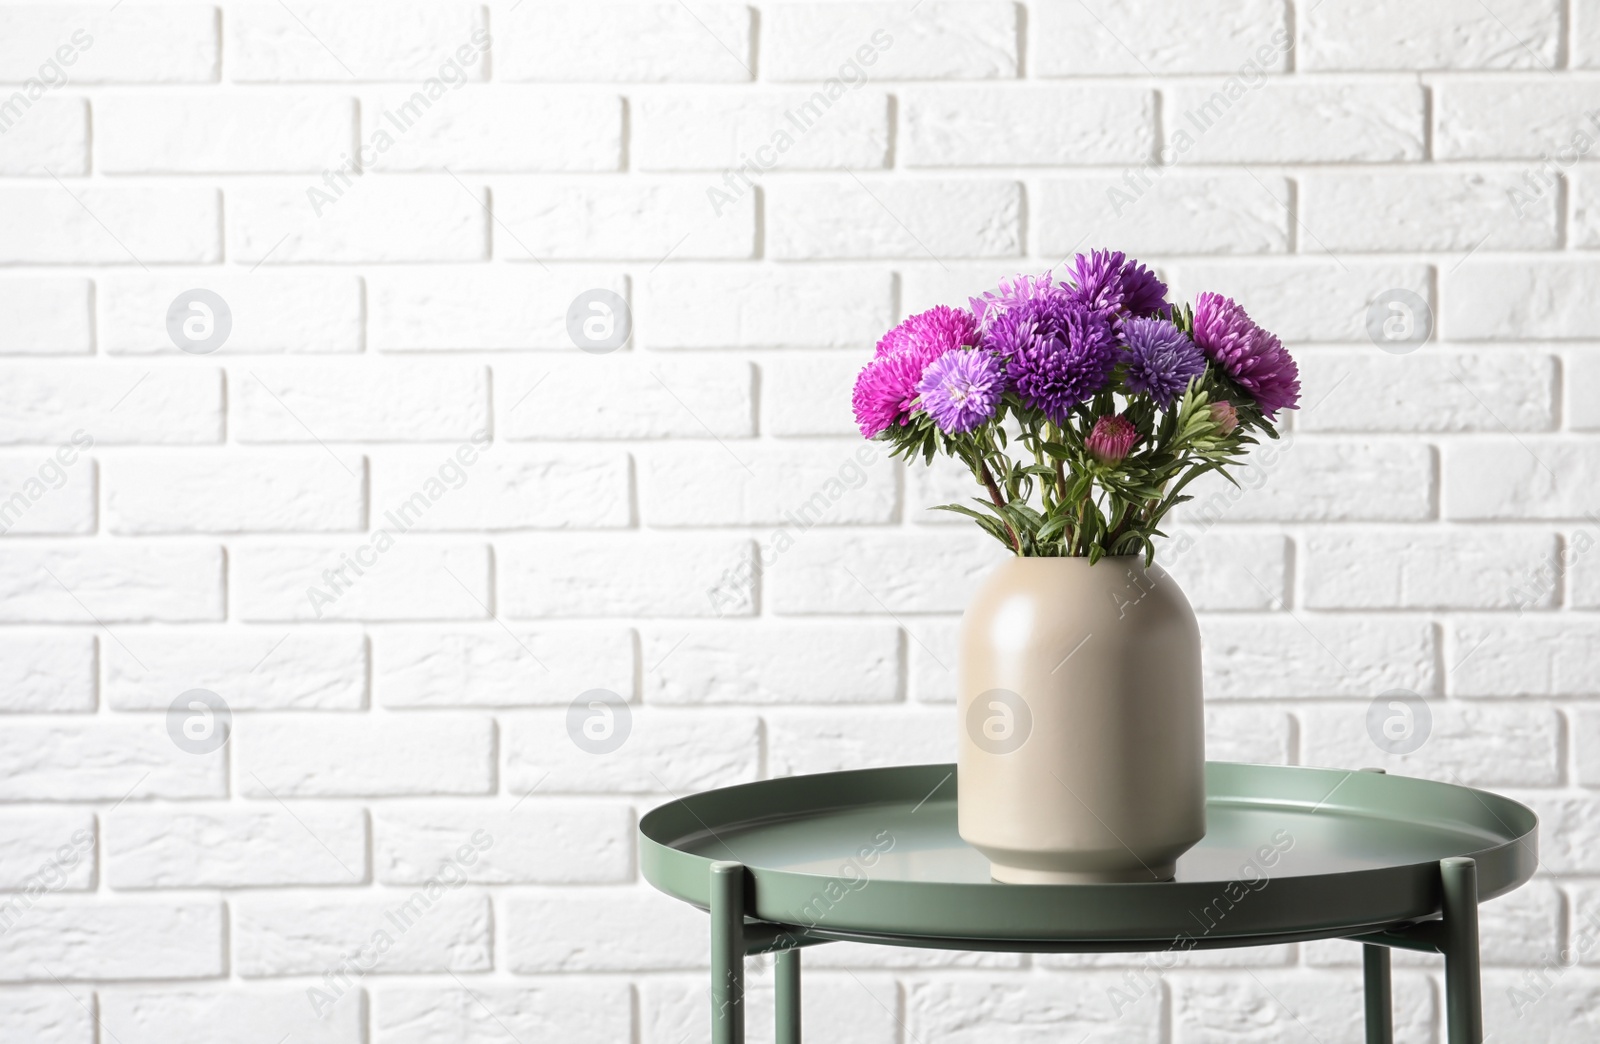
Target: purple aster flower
1111	439
1058	352
1108	279
886	392
1254	358
1011	292
961	390
931	333
1161	359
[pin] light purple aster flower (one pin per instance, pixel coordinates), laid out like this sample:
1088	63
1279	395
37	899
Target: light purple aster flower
1255	359
886	391
961	390
931	333
1161	359
1058	353
1010	292
1108	279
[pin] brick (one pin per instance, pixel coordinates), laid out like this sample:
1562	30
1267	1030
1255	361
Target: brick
269	312
1521	478
1254	735
84	44
405	581
1310	300
340	42
1369	34
1476	744
1221	37
62	940
807	220
1405	569
880	574
48	851
1586	746
773	664
250	669
1514	301
984	127
1584	45
1167	213
50	136
1433	210
301	491
579	576
1561	1007
502	128
1585	190
535	843
46	1015
1569	830
666	42
344	217
809	393
611	397
1078	1008
1541	118
193	1016
237	133
932	673
671	751
493	668
620	218
46	315
1216	122
89	223
1494	656
1431	390
41	494
760	306
360	756
436	309
835	1007
110	404
1278	656
1308	479
111	583
562	1009
788	486
1233	1007
224	848
104	761
551	931
743	134
890	41
817	740
1248	570
47	672
401	401
507	488
399	931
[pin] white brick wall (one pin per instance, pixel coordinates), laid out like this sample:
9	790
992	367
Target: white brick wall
399	203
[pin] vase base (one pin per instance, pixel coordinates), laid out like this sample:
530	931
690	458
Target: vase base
1031	875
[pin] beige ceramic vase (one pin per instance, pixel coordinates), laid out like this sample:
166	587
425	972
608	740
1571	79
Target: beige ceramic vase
1082	735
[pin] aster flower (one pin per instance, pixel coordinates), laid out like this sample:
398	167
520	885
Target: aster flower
1225	416
1254	358
1161	359
1110	439
886	392
931	333
1058	353
1110	280
1011	292
961	390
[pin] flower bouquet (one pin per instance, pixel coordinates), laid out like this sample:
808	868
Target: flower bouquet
1083	407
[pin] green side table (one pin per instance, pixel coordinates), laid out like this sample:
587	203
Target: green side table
1290	854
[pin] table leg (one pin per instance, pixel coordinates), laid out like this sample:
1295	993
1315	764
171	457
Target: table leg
727	953
1380	1005
1463	989
787	972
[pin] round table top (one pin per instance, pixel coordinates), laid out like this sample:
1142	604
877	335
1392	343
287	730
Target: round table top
1289	854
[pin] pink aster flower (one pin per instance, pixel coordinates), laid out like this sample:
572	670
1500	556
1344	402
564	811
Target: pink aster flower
961	389
886	391
1111	438
1225	416
931	333
1254	358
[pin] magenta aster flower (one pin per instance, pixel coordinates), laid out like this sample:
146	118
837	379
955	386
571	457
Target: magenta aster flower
1111	438
1225	416
1108	279
931	333
886	392
1161	359
961	389
1058	353
1254	358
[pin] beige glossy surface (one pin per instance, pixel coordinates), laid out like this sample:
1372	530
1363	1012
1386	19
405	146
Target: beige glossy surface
1095	769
